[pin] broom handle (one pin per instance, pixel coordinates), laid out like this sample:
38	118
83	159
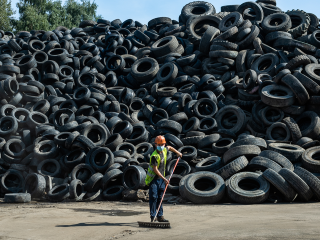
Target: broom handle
166	189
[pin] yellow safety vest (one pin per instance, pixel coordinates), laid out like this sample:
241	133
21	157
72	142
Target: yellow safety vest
150	173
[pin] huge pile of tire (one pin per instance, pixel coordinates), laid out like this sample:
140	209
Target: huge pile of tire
237	92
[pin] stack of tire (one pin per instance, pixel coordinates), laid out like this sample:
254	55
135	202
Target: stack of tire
237	92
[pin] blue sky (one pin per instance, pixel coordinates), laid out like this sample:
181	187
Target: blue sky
145	10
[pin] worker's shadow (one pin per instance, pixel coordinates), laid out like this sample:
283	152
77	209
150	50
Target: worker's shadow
92	224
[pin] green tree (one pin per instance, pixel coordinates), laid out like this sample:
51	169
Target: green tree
77	12
6	13
49	14
31	18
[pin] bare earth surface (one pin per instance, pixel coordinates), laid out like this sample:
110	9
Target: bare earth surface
118	220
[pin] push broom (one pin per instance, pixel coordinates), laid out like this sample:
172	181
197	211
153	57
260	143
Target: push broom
154	224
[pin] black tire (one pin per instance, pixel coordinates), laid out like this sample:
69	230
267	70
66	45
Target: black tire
194	36
113	193
234	110
36	118
45	150
144	69
91	196
113	141
156	115
204	193
233	167
307	82
310	71
101	159
229	8
173	186
15	148
207	141
281	184
290	151
284	26
303	190
286	99
249	151
297	88
196	9
122	154
204	45
182	184
191	125
86	172
12	181
310	159
188	152
297	61
49	167
76	190
255	7
261	164
158	21
8	121
278	131
134	177
96	133
236	18
222	145
248	188
309	124
129	162
183	168
87	23
167	45
210	164
35	185
294	128
112	177
94	183
173	140
204	108
169	124
124	128
17	198
75	157
278	158
167	73
59	193
129	147
304	22
191	141
312	181
261	143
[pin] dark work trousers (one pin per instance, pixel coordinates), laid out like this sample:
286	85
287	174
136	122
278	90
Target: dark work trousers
156	190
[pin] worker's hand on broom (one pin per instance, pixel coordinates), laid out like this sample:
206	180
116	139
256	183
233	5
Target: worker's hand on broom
166	181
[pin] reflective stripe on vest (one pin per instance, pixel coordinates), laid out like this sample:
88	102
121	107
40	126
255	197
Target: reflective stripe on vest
150	173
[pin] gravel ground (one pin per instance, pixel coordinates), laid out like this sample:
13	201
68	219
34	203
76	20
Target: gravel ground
107	220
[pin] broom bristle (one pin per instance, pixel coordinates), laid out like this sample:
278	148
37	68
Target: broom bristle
154	225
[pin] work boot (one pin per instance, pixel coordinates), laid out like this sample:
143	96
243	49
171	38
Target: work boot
162	219
153	218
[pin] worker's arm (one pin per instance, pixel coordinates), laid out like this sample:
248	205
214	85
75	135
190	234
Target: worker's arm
172	149
155	169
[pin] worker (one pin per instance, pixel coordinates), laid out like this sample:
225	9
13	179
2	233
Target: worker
156	176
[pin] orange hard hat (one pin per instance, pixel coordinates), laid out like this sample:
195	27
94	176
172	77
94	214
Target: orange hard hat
160	140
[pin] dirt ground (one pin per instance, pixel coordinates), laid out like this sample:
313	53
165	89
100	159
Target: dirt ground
118	220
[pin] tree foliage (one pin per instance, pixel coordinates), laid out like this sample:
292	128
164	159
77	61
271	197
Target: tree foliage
49	14
6	13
